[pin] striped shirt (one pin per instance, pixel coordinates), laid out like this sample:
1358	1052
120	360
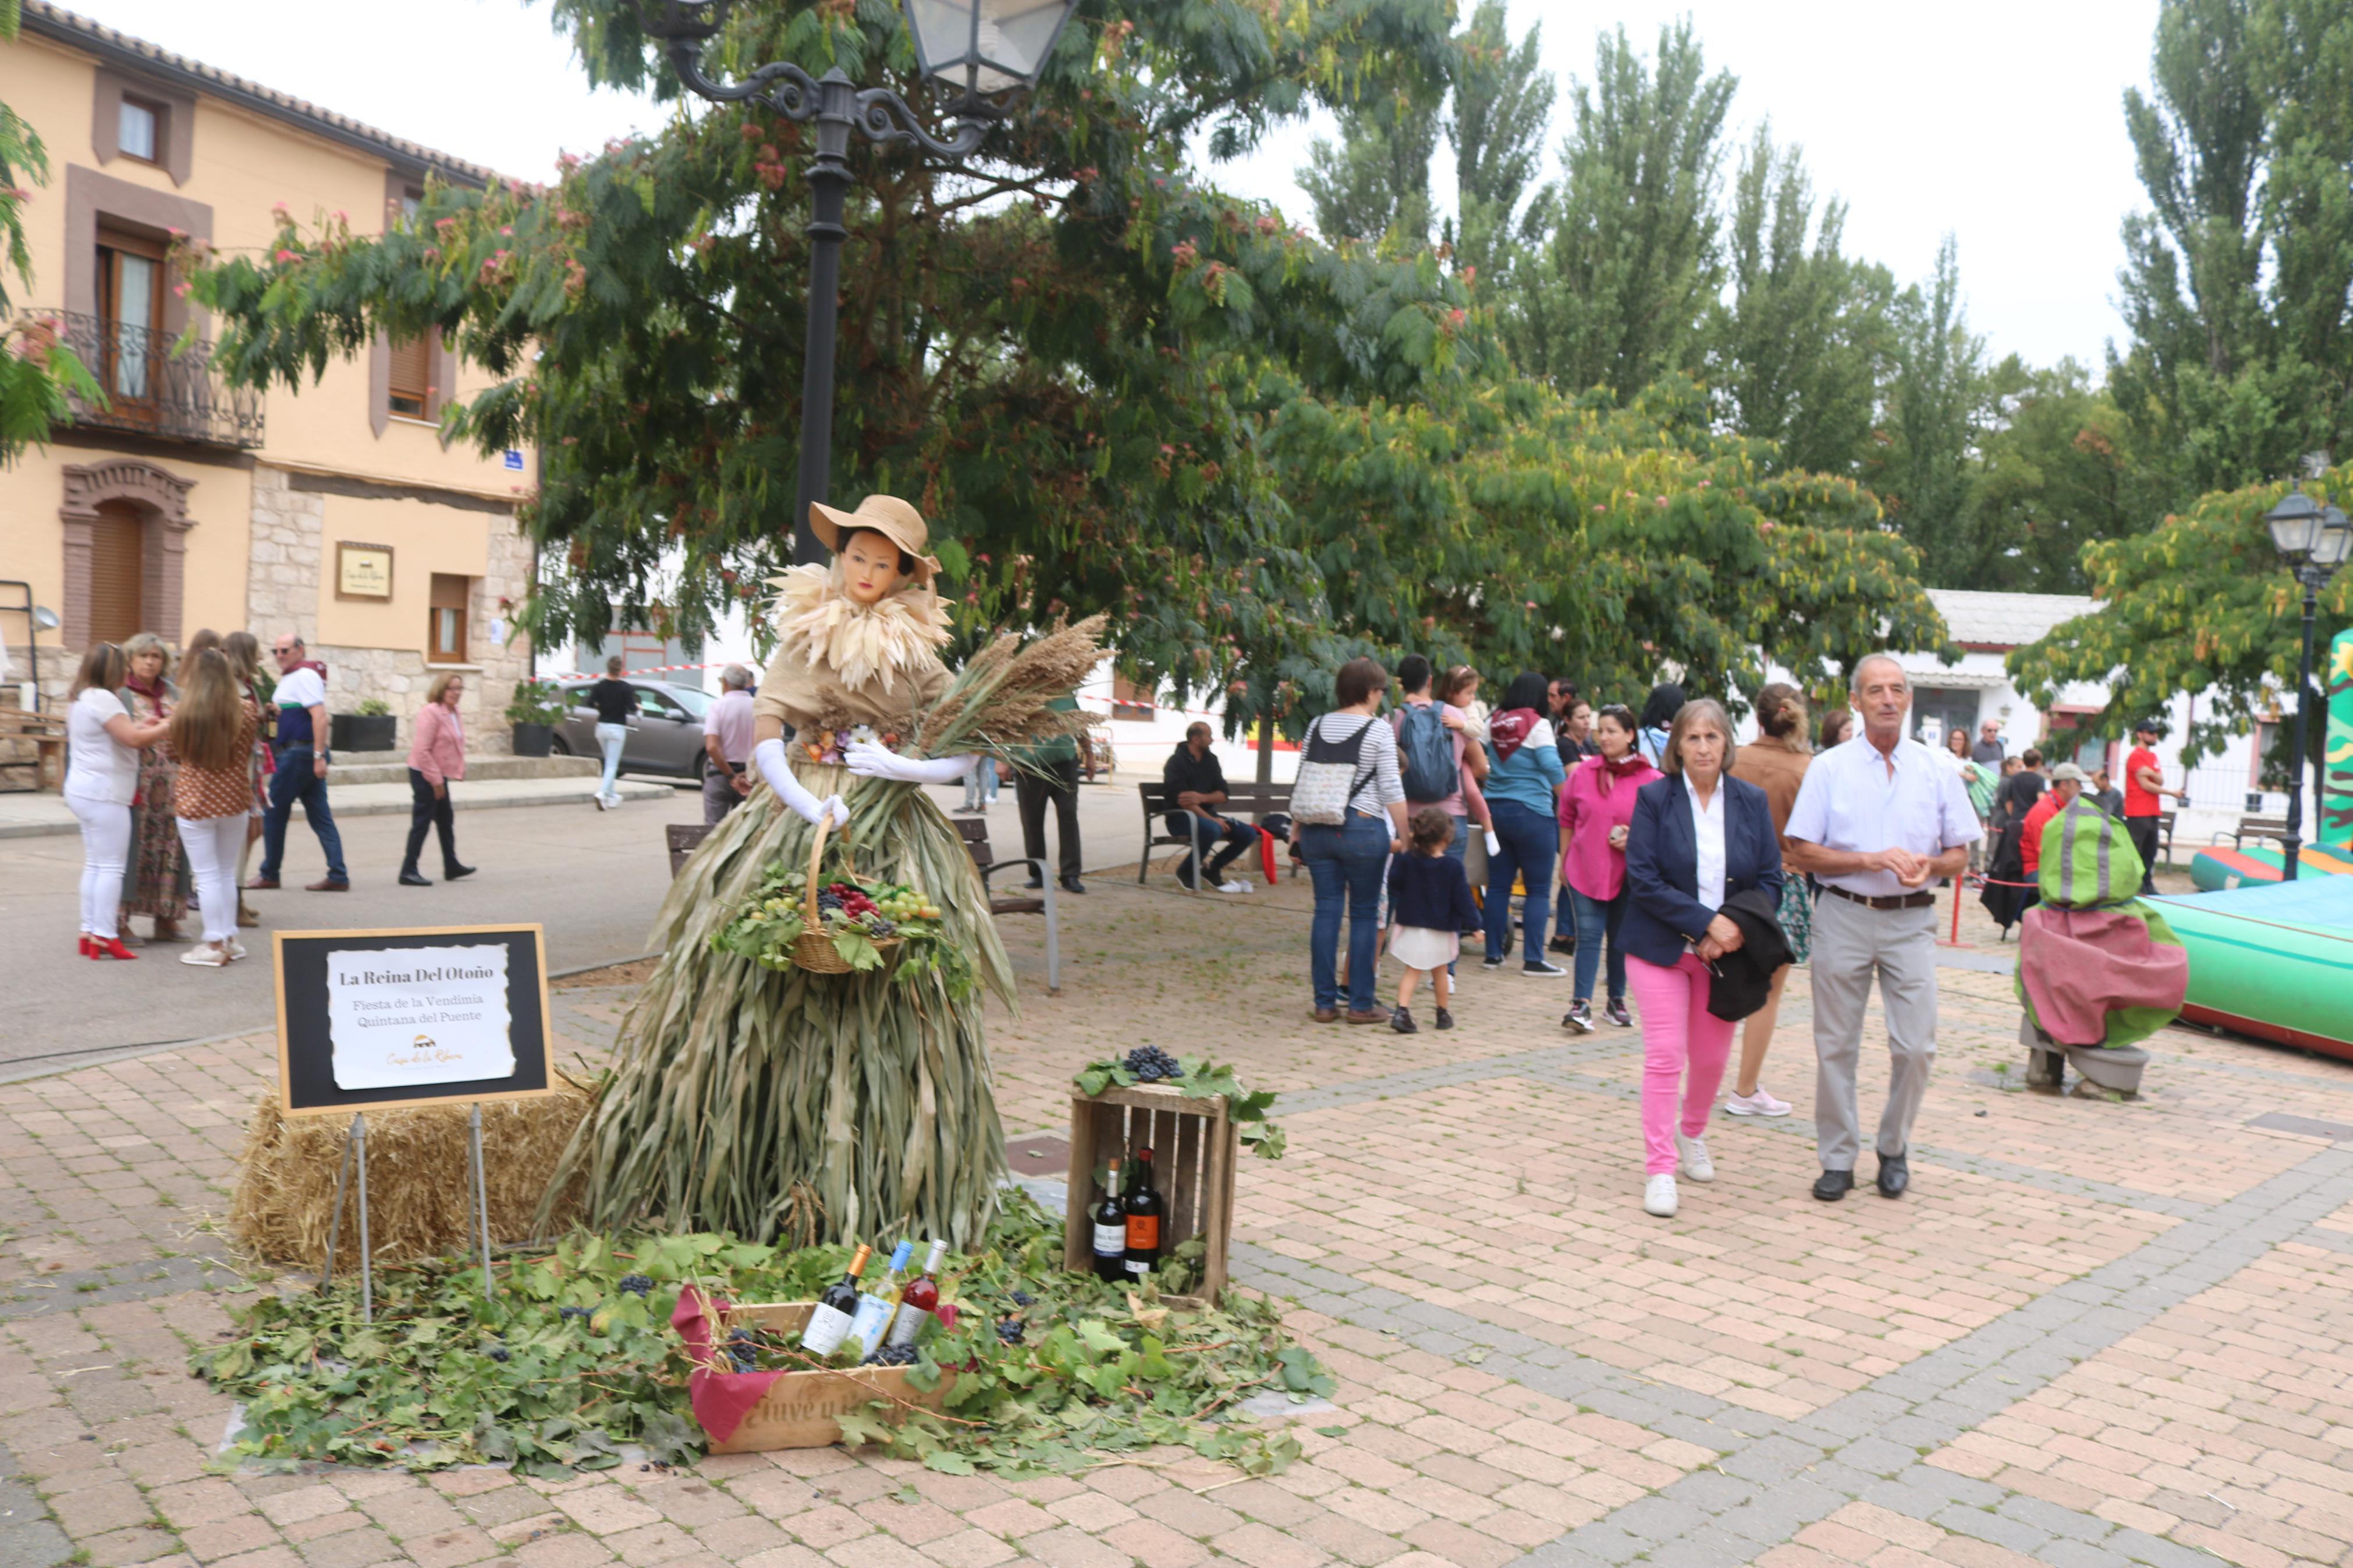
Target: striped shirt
1377	764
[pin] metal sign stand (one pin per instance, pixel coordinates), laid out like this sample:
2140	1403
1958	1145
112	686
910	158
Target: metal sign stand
355	1151
482	1196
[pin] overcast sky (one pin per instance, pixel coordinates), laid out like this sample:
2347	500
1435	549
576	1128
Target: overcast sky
1998	120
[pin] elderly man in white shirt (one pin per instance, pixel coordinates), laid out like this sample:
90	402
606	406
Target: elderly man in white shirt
1878	819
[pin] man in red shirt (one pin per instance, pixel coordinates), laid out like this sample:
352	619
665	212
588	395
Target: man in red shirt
2144	790
2066	784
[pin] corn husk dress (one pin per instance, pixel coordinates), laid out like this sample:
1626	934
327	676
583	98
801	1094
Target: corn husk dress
768	1102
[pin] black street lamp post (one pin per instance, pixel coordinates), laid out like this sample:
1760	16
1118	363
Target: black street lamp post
978	48
2313	542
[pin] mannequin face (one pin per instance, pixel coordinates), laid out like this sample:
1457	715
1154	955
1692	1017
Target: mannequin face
869	567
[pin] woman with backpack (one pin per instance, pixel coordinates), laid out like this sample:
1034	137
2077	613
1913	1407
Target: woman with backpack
1348	816
1523	785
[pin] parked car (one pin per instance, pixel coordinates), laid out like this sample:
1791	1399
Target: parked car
665	734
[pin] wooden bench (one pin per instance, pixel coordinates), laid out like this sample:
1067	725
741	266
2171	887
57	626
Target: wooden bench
46	736
1254	800
685	838
2273	828
974	830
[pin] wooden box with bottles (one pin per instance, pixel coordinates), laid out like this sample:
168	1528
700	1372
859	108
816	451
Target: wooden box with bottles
801	1409
1193	1145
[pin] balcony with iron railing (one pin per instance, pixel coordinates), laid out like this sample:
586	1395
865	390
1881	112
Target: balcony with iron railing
153	390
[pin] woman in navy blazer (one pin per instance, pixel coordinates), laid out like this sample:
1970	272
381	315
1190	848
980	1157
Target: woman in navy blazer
1698	837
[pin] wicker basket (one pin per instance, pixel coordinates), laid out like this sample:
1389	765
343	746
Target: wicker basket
813	950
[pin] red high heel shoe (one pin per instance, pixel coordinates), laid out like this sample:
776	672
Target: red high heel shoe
84	948
111	947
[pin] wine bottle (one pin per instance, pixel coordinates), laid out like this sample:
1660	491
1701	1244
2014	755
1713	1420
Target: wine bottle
829	1320
919	1300
1144	1210
874	1314
1111	1230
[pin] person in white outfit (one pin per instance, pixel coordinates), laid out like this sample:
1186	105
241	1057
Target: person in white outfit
211	738
102	747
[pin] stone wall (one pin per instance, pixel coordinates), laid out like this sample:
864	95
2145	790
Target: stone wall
282	592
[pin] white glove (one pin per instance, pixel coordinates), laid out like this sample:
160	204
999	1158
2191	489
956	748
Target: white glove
1494	844
769	756
870	761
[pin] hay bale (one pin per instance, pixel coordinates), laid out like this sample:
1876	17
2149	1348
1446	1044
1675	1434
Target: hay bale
419	1179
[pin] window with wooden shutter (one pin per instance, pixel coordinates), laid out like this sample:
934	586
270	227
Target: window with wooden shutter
117	557
411	379
445	641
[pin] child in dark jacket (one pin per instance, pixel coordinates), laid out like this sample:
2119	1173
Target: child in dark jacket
1429	906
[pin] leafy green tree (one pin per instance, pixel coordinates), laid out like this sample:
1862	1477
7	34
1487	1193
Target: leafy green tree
2064	470
2235	282
39	376
1940	402
2198	604
1373	184
1626	264
1501	108
1050	351
1798	348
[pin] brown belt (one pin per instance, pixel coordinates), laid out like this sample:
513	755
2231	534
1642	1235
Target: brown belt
1886	901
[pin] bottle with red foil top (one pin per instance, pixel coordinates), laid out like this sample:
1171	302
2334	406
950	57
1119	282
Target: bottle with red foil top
919	1300
1144	1210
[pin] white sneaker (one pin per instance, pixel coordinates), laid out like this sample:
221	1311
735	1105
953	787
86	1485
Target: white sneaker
204	956
601	805
1233	887
1695	1163
1658	1196
1761	1103
235	948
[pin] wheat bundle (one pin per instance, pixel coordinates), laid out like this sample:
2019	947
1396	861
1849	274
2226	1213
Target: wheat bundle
420	1180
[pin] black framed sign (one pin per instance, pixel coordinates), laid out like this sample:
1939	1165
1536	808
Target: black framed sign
373	1020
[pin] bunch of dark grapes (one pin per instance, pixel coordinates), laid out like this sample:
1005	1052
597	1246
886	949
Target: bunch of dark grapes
744	1351
636	1284
1023	1298
571	1311
1150	1064
501	1353
892	1355
1009	1330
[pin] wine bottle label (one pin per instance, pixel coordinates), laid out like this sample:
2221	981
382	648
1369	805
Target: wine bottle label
873	1317
1111	1240
1138	1267
828	1327
909	1323
1142	1233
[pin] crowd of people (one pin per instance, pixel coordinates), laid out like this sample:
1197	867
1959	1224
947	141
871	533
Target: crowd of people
1665	862
179	763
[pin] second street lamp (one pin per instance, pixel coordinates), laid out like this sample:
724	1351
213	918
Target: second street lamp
2313	542
976	48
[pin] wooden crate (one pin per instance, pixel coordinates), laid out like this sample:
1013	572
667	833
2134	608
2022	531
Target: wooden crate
1193	1145
801	1409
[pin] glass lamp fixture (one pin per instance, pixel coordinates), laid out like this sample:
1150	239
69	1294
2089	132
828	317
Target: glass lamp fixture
2335	544
980	47
2295	525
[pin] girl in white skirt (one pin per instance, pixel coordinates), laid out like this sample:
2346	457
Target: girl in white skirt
1430	907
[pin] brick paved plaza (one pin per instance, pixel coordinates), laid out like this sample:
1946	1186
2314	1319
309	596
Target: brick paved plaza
2094	1332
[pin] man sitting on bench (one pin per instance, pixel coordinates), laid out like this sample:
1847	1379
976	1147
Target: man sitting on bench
1195	782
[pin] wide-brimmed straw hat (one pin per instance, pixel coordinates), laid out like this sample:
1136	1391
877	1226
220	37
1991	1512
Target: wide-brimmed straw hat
889	516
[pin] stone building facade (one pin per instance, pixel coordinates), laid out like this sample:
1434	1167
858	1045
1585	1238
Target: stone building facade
338	512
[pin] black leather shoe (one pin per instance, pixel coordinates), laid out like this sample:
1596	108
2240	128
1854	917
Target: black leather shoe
451	873
412	880
1895	1175
1832	1186
1073	885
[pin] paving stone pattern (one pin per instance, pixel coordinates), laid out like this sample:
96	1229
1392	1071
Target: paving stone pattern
2095	1332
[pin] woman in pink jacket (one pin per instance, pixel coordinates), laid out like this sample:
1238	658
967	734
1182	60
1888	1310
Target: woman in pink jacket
1597	803
435	758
